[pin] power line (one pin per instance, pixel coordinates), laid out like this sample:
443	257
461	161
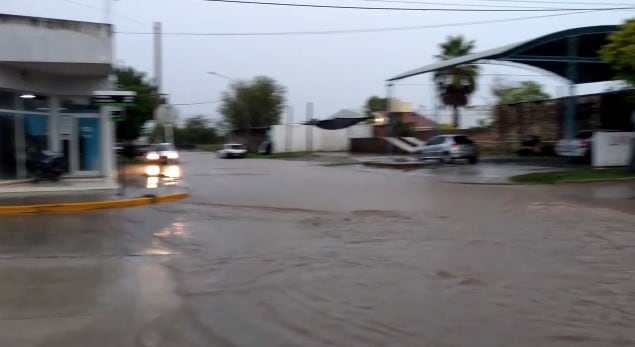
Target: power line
452	4
576	3
198	103
561	2
92	7
365	30
445	9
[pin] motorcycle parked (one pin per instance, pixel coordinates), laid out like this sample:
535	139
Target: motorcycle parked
534	146
46	165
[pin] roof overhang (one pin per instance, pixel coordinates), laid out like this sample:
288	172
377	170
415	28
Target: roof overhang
555	53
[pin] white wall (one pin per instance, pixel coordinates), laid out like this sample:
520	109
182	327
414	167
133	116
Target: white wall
294	138
44	40
469	117
611	148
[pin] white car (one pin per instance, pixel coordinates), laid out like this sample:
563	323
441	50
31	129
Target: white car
232	150
581	146
163	153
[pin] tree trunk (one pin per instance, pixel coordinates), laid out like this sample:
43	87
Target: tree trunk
455	117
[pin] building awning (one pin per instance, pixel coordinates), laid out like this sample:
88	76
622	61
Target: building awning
553	52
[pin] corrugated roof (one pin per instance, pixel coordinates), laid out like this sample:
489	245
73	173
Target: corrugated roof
489	54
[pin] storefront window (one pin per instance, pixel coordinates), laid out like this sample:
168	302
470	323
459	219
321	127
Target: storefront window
7	146
7	100
88	138
40	103
35	132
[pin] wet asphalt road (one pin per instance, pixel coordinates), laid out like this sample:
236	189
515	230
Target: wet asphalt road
282	253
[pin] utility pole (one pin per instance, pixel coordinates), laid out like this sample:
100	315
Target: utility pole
107	11
391	125
168	131
158	59
288	128
309	129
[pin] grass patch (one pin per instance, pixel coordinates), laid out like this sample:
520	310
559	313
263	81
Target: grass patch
572	175
346	163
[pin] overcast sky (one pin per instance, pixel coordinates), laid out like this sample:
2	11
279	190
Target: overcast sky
332	71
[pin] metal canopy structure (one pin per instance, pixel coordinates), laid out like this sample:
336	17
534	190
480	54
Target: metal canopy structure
571	54
557	52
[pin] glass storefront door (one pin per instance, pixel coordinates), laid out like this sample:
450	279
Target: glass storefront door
88	144
81	143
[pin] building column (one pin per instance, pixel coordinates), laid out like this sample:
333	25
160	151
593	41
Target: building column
572	75
391	125
107	143
20	142
53	124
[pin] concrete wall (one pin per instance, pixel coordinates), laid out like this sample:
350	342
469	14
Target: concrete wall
302	138
45	40
612	148
46	83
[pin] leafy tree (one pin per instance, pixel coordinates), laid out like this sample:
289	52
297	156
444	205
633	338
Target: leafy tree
525	91
619	53
198	131
375	104
456	84
256	103
147	99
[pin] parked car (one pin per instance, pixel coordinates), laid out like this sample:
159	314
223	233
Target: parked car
580	146
232	150
448	148
164	153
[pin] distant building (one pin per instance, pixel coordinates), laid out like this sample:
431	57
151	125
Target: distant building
348	113
402	111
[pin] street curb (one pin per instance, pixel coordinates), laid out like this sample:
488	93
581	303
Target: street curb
95	205
481	183
597	180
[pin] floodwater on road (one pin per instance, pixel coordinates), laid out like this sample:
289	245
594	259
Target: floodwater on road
275	253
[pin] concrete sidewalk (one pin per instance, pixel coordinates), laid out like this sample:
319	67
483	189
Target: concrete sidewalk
490	170
98	192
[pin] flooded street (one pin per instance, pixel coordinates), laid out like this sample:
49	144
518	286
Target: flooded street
292	253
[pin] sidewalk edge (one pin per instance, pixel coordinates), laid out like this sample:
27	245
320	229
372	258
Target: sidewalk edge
93	205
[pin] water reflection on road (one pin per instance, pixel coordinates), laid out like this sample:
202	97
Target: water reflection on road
273	253
158	175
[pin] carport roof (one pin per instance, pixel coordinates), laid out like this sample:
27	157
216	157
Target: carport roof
553	52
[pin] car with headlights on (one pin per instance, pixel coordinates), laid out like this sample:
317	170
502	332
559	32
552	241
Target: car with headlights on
164	153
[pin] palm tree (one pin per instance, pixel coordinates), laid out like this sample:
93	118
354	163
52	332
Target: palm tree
456	83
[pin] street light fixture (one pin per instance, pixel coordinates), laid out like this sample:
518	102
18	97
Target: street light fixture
220	75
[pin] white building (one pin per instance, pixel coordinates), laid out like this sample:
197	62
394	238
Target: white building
48	71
